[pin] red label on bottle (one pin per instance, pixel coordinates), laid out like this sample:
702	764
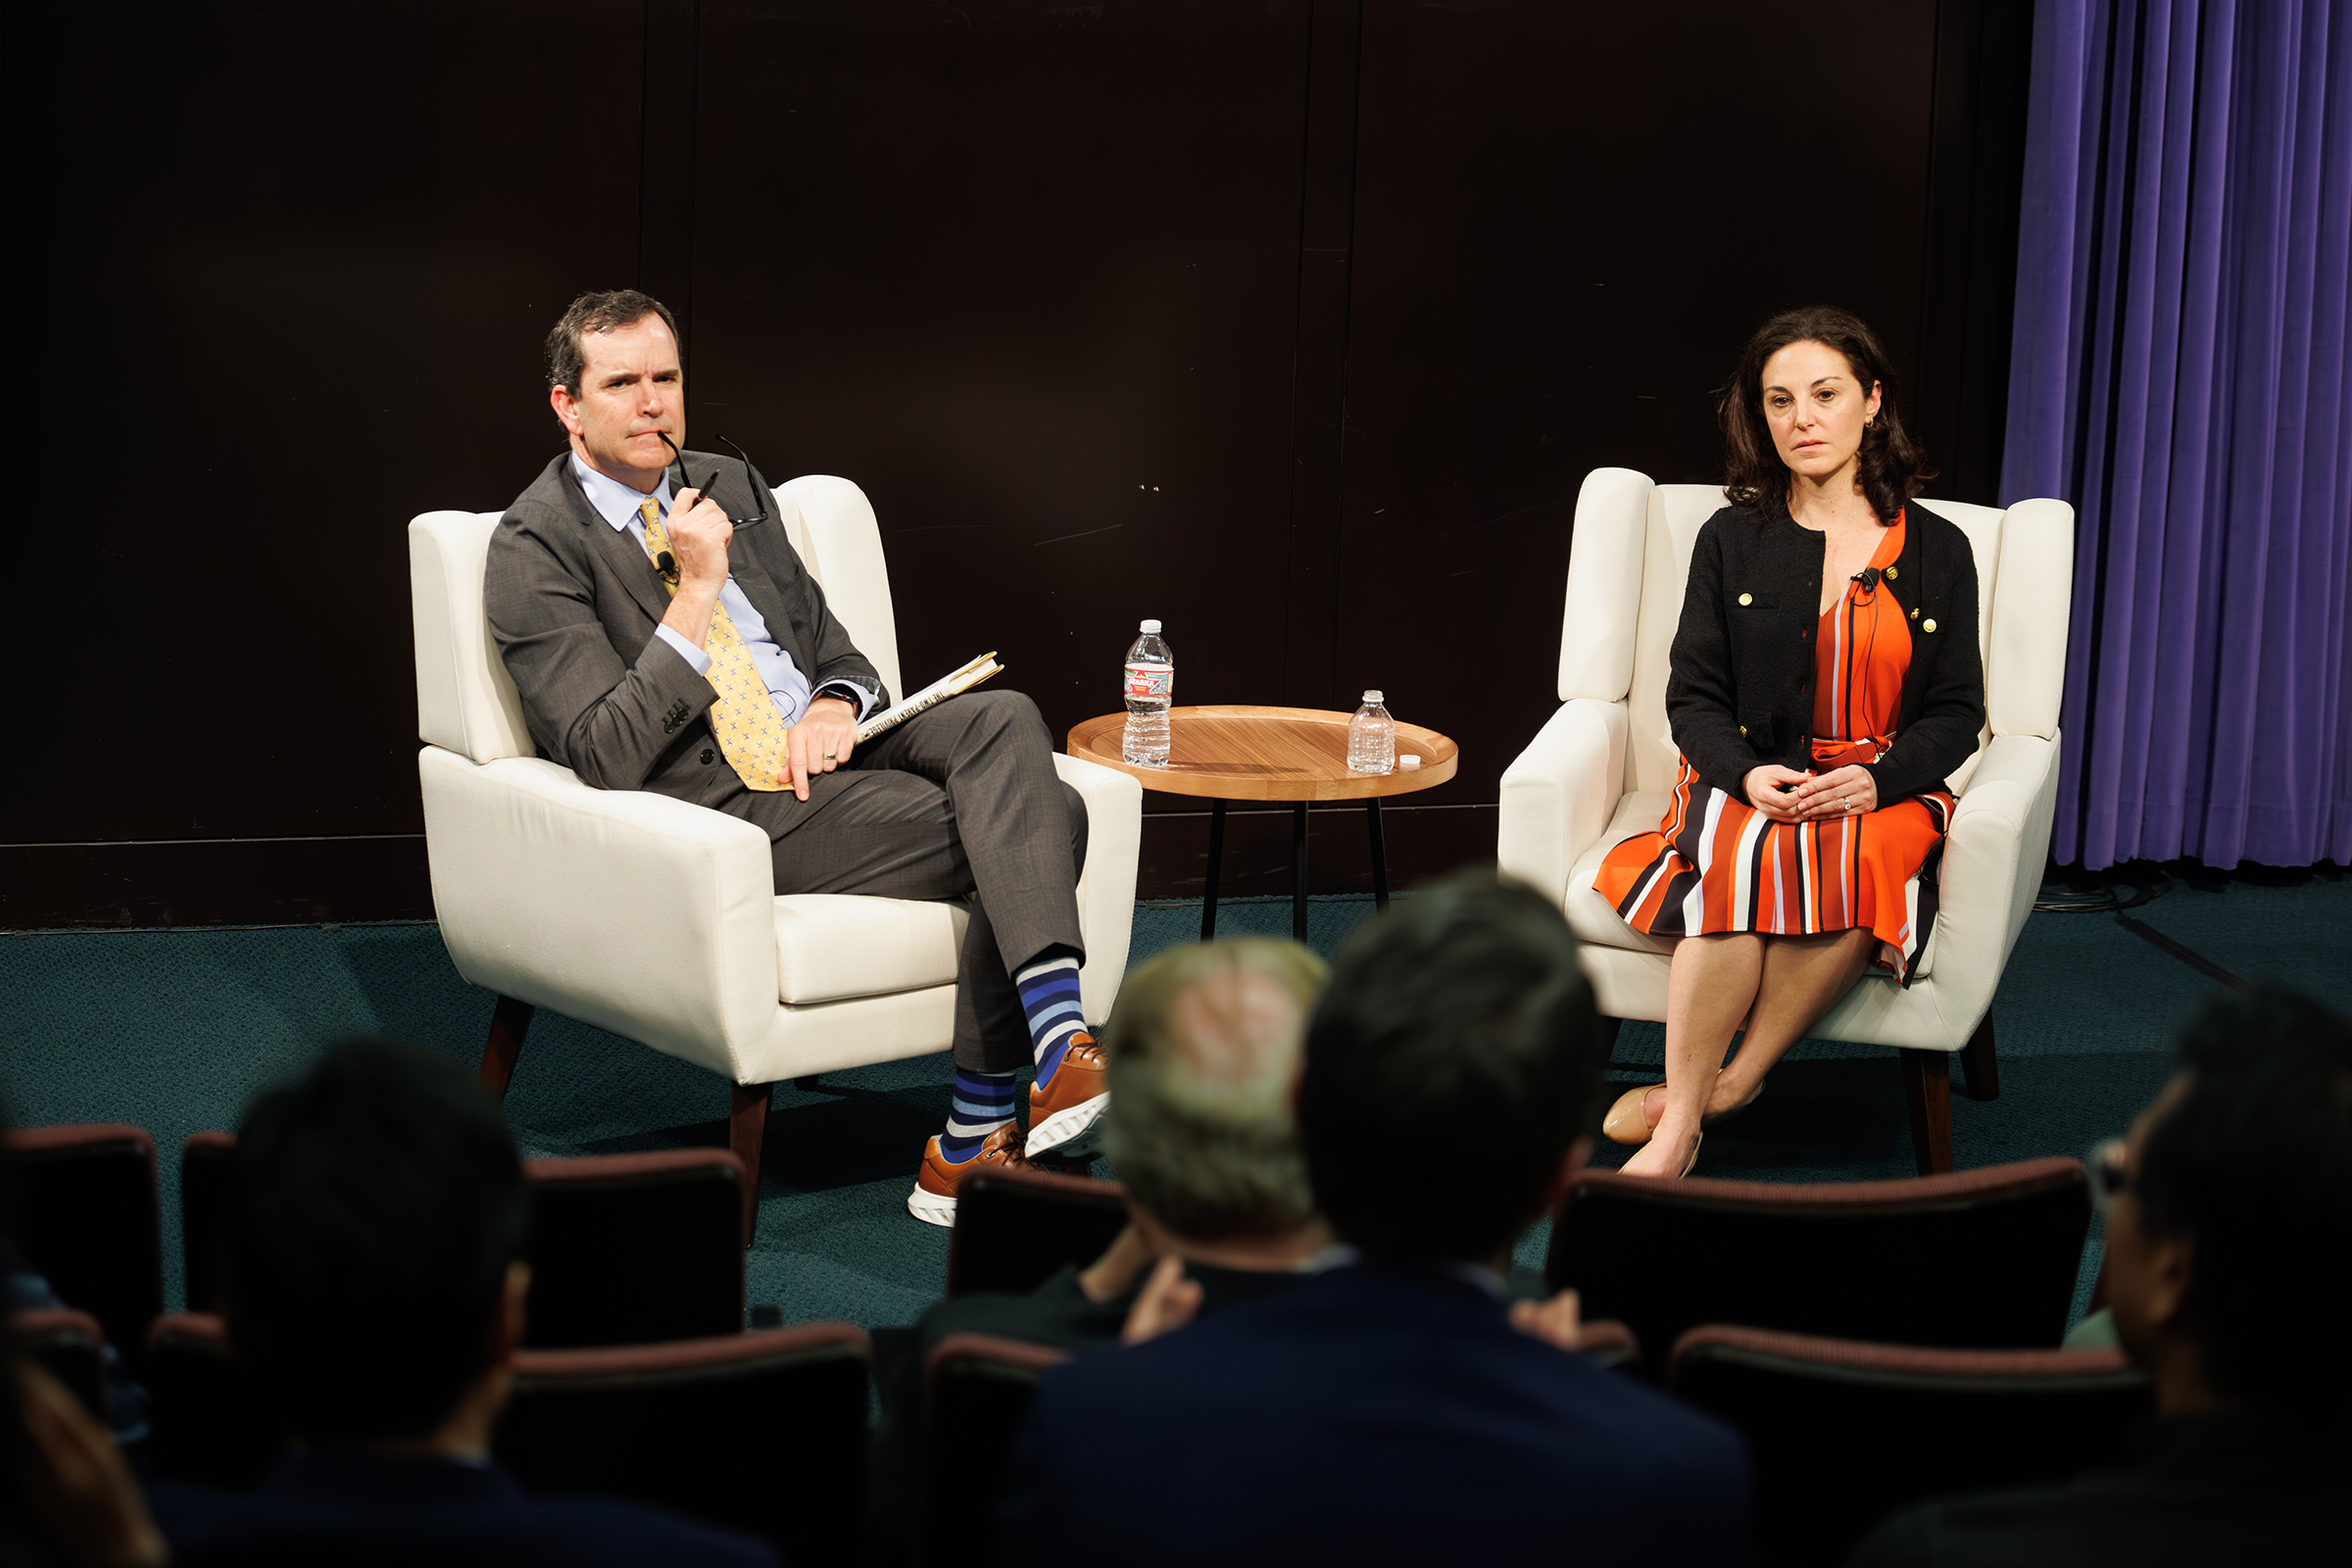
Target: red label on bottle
1150	681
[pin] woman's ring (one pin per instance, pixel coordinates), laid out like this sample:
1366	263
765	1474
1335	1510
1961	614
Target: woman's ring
829	756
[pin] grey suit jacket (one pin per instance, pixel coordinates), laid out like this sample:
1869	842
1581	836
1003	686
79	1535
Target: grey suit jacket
573	604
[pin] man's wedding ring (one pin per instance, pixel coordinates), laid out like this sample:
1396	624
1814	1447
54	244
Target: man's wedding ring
829	756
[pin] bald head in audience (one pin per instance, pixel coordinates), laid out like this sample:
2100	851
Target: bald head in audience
1204	1054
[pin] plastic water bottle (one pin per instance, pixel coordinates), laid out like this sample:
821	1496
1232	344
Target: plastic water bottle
1371	738
1151	687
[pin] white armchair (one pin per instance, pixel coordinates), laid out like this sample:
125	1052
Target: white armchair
1601	770
658	920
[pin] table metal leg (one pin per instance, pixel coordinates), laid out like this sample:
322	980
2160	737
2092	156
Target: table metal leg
1299	871
1216	858
1380	856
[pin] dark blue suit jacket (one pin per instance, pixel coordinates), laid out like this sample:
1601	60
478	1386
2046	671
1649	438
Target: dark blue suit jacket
1370	1416
343	1508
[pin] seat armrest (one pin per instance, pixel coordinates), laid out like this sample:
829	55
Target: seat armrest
1558	794
1115	842
638	913
1993	862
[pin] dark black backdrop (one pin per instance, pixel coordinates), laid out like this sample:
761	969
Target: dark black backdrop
1293	322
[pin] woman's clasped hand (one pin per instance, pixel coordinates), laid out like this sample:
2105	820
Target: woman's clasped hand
1786	795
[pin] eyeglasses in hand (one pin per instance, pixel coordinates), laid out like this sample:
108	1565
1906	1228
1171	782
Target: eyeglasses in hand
686	481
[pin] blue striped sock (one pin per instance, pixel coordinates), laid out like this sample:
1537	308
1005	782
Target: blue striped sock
983	1104
1049	989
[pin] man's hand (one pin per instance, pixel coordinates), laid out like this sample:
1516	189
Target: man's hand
699	531
819	743
1167	1302
1765	786
1556	1322
1840	792
1108	1276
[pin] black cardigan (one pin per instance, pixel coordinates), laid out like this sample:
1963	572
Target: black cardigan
1740	692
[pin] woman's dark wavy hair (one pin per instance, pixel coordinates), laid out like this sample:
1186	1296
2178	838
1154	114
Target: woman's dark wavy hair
1892	468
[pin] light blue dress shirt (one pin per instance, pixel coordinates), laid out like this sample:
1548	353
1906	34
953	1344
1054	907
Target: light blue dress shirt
617	505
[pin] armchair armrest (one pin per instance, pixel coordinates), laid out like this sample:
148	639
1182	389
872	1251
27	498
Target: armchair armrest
644	915
1992	861
1557	795
1114	841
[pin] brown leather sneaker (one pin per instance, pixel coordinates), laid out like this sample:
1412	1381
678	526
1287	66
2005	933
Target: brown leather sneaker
1065	1109
933	1200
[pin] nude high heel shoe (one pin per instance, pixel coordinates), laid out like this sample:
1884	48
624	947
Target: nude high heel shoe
1624	1122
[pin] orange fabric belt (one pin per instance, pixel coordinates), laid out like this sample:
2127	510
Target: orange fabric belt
1828	755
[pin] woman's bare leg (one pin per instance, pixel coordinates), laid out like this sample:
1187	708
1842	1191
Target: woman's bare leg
1709	989
1802	978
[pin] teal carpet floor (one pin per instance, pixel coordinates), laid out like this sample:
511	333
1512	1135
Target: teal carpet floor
175	1030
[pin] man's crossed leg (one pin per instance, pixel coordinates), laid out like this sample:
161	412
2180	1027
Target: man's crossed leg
963	801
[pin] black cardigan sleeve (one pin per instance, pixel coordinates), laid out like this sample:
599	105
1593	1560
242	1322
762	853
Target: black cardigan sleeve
1946	714
1700	699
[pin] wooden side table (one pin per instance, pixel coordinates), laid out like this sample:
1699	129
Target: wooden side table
1240	753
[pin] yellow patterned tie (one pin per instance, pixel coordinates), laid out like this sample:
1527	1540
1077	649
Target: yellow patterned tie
750	732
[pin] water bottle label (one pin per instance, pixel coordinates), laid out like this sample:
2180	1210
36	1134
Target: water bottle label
1150	681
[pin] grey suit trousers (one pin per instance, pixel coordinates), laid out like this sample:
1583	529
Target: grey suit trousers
961	801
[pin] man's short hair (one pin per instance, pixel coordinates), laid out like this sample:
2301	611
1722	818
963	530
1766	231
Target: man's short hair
1454	1059
379	1203
2253	1163
596	312
1206	1141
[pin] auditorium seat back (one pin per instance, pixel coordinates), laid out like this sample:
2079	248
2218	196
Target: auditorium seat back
71	1345
211	1421
1014	1228
977	1390
1842	1434
632	1249
1982	1259
87	1220
1611	1343
763	1432
207	1196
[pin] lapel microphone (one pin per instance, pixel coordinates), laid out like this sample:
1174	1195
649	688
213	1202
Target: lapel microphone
1868	577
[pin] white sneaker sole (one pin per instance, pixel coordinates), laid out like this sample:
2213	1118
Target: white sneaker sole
1065	1127
932	1208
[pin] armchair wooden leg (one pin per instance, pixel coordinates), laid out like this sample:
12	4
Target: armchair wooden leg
1927	1087
1980	1071
747	1128
509	1021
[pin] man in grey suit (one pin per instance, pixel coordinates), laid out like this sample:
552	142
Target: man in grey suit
658	647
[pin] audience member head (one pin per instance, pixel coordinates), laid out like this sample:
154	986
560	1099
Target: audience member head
2226	1266
374	1279
1451	1064
1203	1052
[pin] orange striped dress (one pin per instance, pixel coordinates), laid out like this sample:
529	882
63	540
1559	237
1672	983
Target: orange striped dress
1717	865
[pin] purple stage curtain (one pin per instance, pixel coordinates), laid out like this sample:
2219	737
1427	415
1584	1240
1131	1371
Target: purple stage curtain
2178	374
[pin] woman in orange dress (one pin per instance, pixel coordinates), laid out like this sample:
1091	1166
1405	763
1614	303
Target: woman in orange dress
1825	683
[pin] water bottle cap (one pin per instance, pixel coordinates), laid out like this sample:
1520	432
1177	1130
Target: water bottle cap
1150	627
1373	698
